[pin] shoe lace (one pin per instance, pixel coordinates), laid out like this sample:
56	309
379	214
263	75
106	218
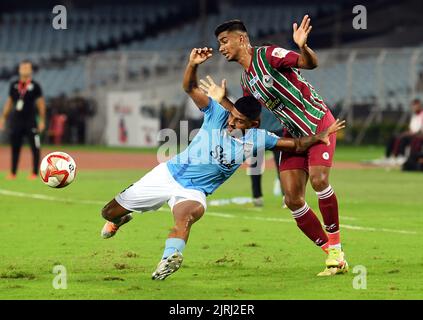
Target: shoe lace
333	253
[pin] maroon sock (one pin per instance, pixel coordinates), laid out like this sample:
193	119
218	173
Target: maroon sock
329	208
310	225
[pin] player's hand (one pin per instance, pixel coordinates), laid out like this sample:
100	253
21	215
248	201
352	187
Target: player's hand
301	32
336	126
1	123
199	55
211	89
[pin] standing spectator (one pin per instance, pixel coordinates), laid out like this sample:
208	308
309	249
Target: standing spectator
79	110
24	104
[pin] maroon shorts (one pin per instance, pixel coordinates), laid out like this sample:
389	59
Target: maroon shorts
318	155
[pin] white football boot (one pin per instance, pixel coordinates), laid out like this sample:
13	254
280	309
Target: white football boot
168	266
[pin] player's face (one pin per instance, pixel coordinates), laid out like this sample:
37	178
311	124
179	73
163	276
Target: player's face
229	44
25	69
237	122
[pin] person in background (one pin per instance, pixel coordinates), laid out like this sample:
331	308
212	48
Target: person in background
396	148
25	109
271	124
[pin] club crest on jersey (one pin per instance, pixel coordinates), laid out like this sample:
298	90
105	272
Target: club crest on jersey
268	81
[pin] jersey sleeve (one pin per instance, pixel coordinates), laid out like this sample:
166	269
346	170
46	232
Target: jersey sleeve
280	58
270	140
264	140
215	115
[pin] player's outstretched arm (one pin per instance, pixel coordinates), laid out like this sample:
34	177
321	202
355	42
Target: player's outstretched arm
190	83
307	58
302	144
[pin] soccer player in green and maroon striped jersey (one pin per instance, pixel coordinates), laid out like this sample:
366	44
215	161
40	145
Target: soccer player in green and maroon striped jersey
271	75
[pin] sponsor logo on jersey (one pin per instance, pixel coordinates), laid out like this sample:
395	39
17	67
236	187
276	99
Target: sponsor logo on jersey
268	81
256	95
220	156
273	104
279	53
253	80
325	155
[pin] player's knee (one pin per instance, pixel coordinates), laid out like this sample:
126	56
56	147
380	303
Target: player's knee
192	215
319	182
294	202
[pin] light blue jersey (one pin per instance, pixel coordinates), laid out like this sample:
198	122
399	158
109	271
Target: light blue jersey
213	155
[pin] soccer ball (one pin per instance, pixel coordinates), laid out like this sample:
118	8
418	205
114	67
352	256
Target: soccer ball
57	169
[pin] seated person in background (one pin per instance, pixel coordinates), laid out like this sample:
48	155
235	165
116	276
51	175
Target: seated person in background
395	149
414	161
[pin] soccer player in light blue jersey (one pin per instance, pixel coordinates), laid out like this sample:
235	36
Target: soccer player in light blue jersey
224	141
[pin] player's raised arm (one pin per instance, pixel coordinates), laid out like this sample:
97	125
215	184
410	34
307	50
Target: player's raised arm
190	83
307	58
302	144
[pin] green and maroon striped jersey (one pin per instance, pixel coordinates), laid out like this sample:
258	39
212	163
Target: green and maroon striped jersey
279	86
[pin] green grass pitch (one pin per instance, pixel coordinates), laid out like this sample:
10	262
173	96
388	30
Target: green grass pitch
234	251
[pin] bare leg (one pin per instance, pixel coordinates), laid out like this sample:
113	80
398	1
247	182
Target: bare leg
319	177
294	185
113	211
185	214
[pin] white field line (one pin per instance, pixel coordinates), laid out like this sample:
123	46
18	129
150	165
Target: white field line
209	213
47	198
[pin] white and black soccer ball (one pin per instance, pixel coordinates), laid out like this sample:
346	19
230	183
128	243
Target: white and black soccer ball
57	169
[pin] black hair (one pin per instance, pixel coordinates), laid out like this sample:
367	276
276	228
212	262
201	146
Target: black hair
25	61
231	25
249	107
